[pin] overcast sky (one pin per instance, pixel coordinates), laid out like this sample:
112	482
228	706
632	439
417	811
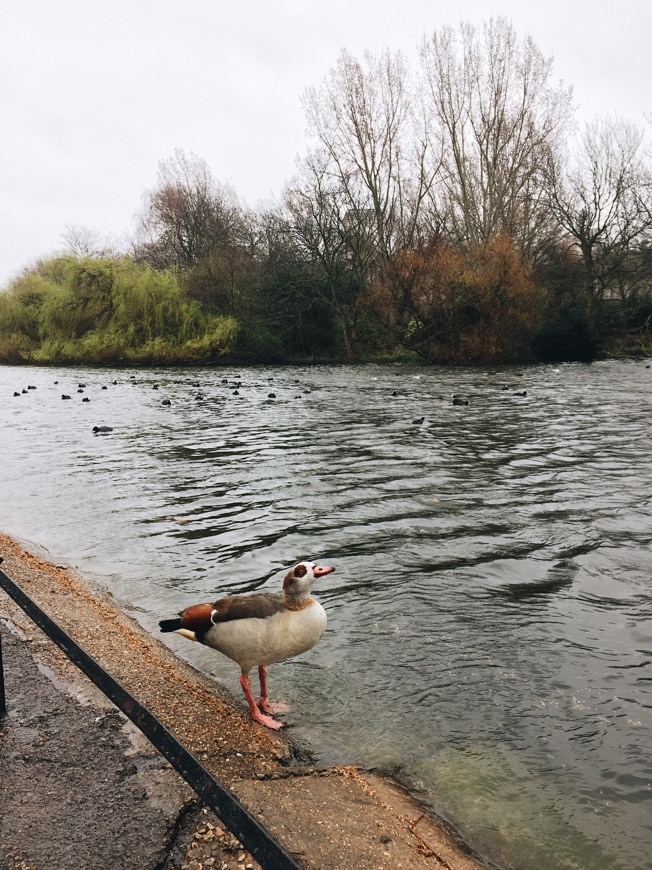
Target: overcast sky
94	94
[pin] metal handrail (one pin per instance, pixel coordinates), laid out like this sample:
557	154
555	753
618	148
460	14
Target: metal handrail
254	837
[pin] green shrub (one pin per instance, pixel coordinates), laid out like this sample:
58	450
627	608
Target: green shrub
258	343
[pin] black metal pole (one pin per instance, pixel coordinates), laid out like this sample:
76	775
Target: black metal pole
266	850
3	699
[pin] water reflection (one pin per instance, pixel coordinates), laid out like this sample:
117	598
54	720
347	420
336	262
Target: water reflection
489	619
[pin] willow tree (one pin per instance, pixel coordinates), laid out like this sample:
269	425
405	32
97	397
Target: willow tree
494	115
20	310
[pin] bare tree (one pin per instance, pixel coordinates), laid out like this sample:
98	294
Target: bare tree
333	238
89	242
602	198
186	215
494	116
361	117
226	279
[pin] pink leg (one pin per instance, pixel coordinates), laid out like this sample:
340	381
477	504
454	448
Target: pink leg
256	715
264	703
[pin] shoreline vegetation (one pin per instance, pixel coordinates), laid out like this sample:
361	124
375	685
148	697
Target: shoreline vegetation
450	211
111	312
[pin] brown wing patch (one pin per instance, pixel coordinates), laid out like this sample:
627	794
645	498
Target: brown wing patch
197	618
260	605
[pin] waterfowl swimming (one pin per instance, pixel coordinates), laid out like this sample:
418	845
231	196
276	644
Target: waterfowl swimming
102	430
458	400
259	629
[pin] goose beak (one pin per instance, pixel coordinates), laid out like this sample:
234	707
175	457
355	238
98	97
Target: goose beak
320	570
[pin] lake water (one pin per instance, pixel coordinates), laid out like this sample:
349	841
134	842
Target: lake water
490	632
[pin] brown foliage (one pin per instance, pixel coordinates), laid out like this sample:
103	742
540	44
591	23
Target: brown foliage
507	301
461	307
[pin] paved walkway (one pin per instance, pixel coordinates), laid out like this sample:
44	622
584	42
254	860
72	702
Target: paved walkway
82	788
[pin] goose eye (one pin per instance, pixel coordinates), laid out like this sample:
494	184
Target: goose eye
300	571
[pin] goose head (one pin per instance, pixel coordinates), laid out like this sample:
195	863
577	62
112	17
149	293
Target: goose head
299	580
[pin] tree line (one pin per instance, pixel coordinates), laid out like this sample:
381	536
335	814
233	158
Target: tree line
449	210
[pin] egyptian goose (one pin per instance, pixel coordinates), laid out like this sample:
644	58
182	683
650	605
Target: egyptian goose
259	629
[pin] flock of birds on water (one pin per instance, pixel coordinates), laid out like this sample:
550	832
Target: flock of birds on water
235	383
199	397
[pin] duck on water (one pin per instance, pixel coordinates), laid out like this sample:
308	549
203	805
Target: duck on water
259	629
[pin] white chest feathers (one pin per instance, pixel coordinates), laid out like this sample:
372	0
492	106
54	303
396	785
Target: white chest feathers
254	641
